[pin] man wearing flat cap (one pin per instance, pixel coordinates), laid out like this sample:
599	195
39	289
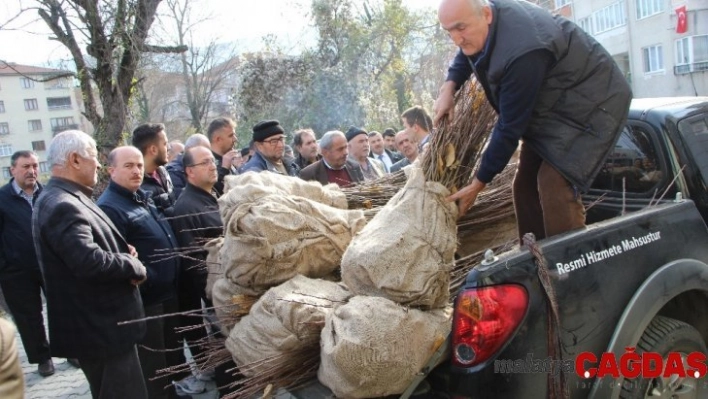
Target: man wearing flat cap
269	140
359	149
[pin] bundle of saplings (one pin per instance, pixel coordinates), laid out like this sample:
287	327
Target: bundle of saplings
270	241
285	322
374	347
405	253
252	186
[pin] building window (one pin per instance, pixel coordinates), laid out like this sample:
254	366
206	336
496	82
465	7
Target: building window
4	128
26	83
2	107
5	150
562	3
61	124
34	125
38	146
647	8
44	167
31	104
586	24
653	59
6	173
691	54
609	17
57	84
59	103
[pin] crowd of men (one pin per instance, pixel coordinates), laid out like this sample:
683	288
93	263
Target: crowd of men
137	251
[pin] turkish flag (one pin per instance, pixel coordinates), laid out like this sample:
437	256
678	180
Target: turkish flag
682	22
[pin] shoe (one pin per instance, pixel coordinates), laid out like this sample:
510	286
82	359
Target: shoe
74	362
189	386
46	368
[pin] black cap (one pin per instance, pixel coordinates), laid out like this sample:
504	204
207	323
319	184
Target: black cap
353	132
264	129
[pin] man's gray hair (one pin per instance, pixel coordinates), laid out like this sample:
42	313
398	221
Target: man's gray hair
67	142
197	140
326	140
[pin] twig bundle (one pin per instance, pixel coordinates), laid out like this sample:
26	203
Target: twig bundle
454	148
374	193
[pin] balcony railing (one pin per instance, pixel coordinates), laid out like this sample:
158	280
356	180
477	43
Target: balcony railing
688	68
58	129
53	107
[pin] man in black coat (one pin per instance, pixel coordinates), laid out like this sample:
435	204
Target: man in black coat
90	273
133	213
20	277
196	221
334	167
151	140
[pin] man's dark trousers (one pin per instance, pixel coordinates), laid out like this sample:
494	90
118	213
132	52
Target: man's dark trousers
22	293
107	376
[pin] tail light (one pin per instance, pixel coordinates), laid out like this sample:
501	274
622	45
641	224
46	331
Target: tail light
484	320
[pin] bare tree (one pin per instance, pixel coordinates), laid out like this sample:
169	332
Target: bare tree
205	69
115	33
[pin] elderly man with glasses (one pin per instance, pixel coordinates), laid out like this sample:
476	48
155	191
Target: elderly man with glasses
269	140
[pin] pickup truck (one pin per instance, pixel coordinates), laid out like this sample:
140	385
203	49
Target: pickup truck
636	277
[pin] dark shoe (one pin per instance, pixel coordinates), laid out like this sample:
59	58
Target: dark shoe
74	362
46	368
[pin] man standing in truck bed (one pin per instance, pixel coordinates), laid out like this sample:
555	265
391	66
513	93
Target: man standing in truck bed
554	87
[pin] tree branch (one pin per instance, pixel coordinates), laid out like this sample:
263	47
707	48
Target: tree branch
147	48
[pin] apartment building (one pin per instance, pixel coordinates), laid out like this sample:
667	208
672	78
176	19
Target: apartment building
32	111
660	45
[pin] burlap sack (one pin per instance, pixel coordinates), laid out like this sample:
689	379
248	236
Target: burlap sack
286	319
252	186
405	253
231	302
271	241
374	347
213	262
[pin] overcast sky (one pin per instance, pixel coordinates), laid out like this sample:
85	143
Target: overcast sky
240	21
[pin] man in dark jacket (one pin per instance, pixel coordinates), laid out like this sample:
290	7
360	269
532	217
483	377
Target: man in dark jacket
554	87
222	137
407	148
20	277
305	143
143	226
269	140
334	166
151	140
90	273
379	151
175	167
196	221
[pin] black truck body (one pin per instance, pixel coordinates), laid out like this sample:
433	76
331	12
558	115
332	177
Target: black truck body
617	275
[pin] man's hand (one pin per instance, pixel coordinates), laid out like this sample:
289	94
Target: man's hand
132	251
467	196
228	159
143	273
445	104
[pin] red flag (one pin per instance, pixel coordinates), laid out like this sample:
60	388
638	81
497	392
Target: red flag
682	22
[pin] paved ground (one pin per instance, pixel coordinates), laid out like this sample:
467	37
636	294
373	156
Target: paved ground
67	382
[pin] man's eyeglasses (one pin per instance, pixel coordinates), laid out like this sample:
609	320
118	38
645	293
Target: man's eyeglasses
208	162
275	141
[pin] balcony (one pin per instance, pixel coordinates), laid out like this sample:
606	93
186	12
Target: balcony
58	129
689	68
